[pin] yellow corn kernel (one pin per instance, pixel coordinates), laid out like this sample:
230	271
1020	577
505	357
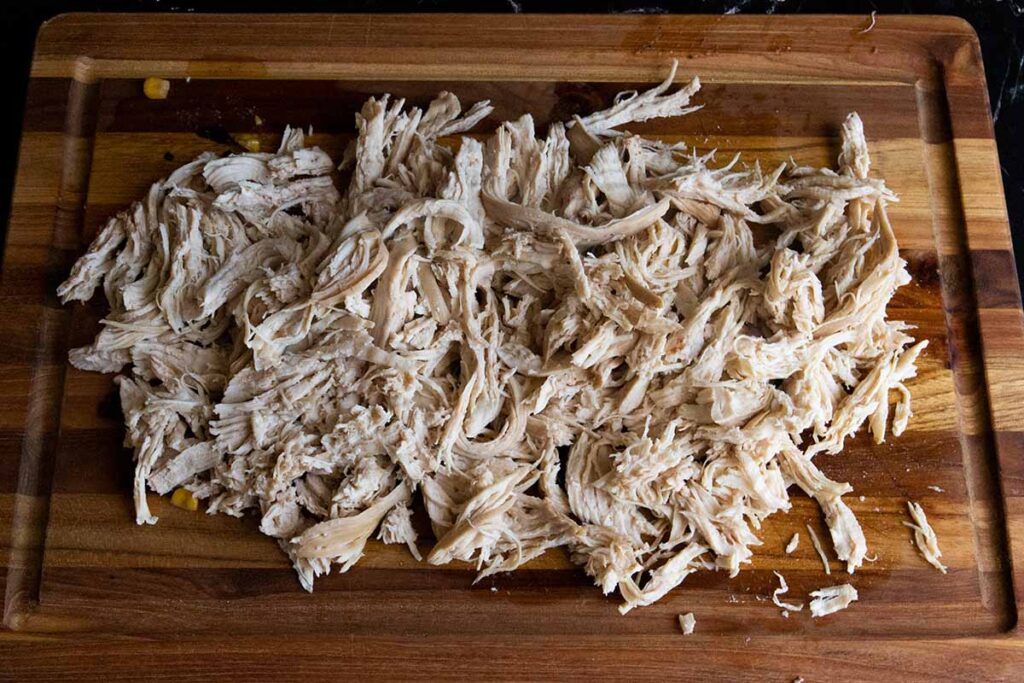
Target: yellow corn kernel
156	88
249	141
184	499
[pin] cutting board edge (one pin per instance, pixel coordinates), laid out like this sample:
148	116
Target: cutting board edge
954	62
97	42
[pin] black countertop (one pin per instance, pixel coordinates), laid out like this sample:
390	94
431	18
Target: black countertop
999	23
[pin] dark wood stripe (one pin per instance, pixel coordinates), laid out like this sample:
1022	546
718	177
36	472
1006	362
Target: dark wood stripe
995	278
46	101
26	284
94	461
932	107
203	106
10	444
538	602
704	656
1011	467
19	344
972	120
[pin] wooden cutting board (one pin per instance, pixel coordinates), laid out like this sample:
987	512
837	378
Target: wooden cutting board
89	594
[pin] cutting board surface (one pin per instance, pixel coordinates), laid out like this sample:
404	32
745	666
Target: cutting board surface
77	568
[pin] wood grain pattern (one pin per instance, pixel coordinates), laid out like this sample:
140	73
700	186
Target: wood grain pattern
90	595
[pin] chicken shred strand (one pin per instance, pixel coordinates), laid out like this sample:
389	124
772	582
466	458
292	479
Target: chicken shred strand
818	549
782	590
924	536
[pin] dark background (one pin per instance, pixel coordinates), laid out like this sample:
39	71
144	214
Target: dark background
999	23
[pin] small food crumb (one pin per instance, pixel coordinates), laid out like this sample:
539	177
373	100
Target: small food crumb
861	499
156	88
793	543
687	622
184	499
937	489
249	141
257	120
785	614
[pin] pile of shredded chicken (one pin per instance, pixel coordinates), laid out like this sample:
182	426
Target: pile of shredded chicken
588	339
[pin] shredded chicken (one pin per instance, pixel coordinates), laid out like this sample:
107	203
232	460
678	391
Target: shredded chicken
586	339
687	622
832	599
782	590
818	549
924	536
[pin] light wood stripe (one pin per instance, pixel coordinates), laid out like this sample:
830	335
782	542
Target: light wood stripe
184	539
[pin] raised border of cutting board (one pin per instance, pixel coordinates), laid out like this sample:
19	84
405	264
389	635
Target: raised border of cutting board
940	56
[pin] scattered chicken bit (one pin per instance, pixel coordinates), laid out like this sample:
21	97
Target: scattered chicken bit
937	489
687	622
248	141
793	544
782	590
674	341
183	499
156	88
871	23
924	536
821	551
832	599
